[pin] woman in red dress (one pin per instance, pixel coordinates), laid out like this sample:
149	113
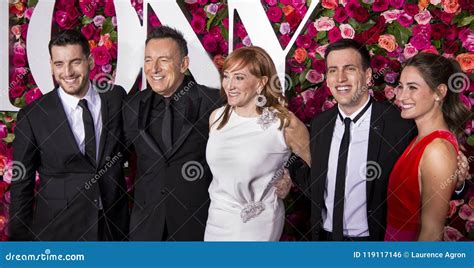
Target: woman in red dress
423	179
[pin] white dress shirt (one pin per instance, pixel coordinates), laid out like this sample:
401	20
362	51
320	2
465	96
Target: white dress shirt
74	116
355	199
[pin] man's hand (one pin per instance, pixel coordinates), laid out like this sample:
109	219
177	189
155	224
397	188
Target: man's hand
462	173
283	184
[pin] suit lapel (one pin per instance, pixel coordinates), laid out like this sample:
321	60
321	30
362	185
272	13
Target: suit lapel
375	138
189	109
143	117
58	115
105	123
323	148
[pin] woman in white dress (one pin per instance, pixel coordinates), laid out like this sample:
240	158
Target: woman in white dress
250	140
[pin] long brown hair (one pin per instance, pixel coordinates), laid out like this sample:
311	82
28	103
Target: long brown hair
437	70
260	65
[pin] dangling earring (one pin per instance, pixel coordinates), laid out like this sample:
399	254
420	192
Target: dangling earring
260	100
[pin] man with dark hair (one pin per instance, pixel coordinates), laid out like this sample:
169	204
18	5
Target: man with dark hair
167	124
354	147
72	138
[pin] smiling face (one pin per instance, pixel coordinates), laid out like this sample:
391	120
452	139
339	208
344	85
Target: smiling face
416	98
347	79
164	66
241	87
70	67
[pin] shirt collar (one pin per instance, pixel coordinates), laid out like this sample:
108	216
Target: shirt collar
72	102
354	114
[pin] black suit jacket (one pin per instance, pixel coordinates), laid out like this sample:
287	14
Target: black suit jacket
164	195
65	206
389	135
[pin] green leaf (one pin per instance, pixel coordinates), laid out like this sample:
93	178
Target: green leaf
401	33
32	3
437	43
107	27
86	20
321	35
113	36
364	27
302	77
466	21
209	22
470	140
9	138
328	13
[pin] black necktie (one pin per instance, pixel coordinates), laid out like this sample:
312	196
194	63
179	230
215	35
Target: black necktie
90	149
338	212
167	125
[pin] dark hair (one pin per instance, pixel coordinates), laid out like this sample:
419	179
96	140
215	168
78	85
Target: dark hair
259	64
70	37
168	32
437	70
349	43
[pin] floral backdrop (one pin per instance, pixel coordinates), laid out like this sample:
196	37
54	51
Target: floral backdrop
393	31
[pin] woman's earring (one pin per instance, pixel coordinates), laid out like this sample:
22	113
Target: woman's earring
260	100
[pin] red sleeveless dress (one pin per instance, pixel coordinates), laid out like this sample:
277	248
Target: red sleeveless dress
403	196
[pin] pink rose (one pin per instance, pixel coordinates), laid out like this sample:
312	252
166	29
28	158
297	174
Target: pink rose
16	31
388	42
285	28
271	2
389	92
274	14
3	130
422	29
397	3
101	55
469	225
347	32
340	15
209	43
452	209
380	5
405	19
329	4
32	95
391	15
29	12
99	20
240	30
328	105
66	20
464	34
420	42
246	41
107	68
451	234
435	2
19	60
212	9
424	17
198	24
450	6
154	21
311	30
465	212
324	24
322	49
314	77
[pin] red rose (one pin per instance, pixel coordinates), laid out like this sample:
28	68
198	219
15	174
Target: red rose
411	9
109	9
451	33
274	14
380	5
88	7
438	31
303	41
378	62
340	15
209	43
88	31
294	18
319	66
198	23
395	65
373	35
101	56
334	35
450	47
17	91
24	30
284	40
361	14
32	95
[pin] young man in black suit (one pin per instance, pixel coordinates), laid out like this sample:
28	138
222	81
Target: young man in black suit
354	147
168	126
72	137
